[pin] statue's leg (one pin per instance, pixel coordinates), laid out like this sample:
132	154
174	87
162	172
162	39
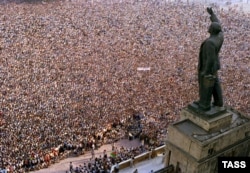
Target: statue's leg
200	84
217	93
206	91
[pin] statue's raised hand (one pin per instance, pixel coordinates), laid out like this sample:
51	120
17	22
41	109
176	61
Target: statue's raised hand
210	10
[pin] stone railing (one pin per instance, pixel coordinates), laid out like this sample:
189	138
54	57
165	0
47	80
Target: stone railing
142	157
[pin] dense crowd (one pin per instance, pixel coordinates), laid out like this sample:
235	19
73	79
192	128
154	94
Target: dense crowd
105	164
69	70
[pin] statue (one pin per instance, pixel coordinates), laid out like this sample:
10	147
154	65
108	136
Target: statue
209	64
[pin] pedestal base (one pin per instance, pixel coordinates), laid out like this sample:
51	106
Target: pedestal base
214	111
211	120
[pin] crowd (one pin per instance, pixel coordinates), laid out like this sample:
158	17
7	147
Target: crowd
105	164
68	71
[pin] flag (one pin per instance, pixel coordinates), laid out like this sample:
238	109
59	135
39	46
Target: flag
113	154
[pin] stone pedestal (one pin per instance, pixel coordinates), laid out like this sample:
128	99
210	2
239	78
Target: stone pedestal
198	139
212	120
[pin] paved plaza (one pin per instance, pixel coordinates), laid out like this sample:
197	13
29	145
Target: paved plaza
142	167
63	165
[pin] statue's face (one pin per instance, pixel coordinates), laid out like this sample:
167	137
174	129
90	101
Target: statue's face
210	29
214	28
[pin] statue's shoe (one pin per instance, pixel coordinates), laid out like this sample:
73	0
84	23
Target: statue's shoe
220	108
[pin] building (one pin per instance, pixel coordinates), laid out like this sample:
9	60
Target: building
196	141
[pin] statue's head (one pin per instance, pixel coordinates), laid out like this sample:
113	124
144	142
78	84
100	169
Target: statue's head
214	28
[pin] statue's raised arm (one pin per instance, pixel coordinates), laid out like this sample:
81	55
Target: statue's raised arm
213	17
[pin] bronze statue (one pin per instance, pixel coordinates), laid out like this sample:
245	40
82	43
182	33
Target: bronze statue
209	64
